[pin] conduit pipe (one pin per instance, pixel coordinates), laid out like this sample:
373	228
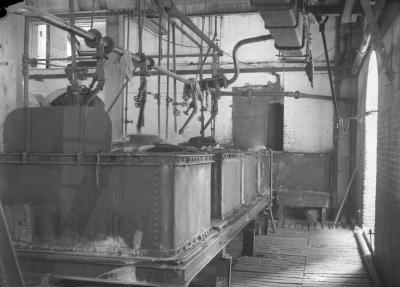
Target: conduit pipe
367	257
236	48
28	11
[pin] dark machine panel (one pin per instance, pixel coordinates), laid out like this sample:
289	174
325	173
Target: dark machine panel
58	130
302	171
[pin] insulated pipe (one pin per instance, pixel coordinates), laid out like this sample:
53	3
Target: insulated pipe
236	48
59	23
367	258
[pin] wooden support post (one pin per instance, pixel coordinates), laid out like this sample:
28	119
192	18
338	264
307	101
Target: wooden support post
248	239
223	271
323	216
263	223
114	77
280	214
216	274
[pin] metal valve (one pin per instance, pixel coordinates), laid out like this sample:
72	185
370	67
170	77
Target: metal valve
182	104
177	112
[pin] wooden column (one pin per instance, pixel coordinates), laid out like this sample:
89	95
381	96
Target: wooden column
11	49
114	76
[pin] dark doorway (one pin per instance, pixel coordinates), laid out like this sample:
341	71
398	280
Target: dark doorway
275	127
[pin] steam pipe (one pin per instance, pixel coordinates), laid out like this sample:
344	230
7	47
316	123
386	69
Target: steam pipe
60	23
236	48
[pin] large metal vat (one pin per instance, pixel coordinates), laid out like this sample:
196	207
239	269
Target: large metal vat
226	184
126	205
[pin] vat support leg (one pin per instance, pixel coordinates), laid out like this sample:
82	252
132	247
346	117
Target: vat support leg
248	239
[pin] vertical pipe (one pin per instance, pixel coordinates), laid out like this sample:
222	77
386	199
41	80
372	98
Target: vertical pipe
167	96
174	69
127	86
25	72
48	55
214	73
159	73
143	80
201	78
74	81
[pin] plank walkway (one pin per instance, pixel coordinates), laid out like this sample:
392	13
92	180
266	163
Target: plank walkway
303	257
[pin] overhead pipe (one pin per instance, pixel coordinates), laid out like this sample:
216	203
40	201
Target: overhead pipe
28	11
236	48
171	10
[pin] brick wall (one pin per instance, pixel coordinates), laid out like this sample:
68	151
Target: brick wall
387	244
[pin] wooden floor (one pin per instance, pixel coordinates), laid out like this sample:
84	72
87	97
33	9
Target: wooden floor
303	257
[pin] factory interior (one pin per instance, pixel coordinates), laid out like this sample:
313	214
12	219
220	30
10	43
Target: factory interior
242	143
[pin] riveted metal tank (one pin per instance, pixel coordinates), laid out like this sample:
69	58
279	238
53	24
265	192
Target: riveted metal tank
226	184
149	205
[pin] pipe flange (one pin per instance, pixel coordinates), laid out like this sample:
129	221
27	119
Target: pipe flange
108	44
95	43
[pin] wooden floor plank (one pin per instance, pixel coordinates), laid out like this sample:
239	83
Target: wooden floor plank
302	257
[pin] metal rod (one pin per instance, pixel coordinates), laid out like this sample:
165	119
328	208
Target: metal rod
63	25
25	72
187	35
271	193
174	69
202	129
167	95
189	23
159	73
328	65
118	95
345	196
127	86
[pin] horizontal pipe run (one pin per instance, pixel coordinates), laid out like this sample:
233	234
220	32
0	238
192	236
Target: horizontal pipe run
280	94
192	72
59	23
